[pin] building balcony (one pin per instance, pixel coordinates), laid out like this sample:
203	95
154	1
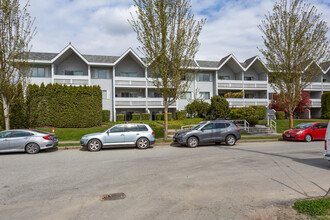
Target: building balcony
315	86
246	102
130	102
230	84
157	102
255	85
326	86
130	81
71	80
316	103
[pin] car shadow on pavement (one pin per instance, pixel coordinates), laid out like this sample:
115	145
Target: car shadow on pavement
316	162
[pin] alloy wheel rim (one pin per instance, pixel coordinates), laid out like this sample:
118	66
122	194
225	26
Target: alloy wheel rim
143	143
32	148
193	142
308	138
231	140
95	145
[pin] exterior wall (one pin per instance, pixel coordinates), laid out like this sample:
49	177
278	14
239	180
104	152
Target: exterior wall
129	65
39	80
71	63
227	71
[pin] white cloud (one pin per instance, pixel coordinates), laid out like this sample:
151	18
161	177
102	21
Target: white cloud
101	27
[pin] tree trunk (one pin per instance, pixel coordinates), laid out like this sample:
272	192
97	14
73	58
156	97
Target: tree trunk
165	123
290	120
5	112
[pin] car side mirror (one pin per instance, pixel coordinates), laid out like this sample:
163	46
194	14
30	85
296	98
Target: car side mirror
108	132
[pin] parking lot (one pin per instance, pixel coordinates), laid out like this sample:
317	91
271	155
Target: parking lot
246	181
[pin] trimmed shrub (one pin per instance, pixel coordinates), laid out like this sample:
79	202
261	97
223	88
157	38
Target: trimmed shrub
63	106
145	116
198	108
219	107
261	111
181	115
169	116
325	105
136	116
120	117
159	116
245	113
105	115
280	115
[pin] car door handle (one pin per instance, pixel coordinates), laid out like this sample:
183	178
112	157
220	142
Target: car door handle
137	134
122	135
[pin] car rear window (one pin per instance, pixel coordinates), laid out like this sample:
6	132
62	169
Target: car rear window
131	128
142	128
220	125
322	125
20	134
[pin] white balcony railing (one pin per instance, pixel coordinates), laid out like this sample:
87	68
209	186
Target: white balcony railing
246	102
237	84
316	103
326	86
255	84
314	85
130	81
129	101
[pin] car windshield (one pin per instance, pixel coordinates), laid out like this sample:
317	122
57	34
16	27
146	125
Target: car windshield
198	126
303	126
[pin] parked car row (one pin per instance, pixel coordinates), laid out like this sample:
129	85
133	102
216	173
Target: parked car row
142	136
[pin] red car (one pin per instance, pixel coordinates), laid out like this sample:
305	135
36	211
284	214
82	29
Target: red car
306	132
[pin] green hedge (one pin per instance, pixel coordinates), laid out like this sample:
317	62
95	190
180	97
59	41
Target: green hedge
245	113
260	111
160	116
136	116
63	106
120	117
325	105
145	116
105	115
181	115
219	107
280	115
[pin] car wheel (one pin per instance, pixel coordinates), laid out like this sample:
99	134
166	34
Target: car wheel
32	148
142	143
192	142
230	140
308	138
94	145
217	143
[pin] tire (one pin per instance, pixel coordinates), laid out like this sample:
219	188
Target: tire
142	143
217	143
308	138
94	145
230	140
32	148
192	142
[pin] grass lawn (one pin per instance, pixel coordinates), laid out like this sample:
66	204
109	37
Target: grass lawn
282	125
317	208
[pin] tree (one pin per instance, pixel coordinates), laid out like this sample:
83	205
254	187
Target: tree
168	33
198	108
280	104
294	37
219	107
16	32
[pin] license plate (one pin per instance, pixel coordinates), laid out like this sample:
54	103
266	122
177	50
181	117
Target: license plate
288	135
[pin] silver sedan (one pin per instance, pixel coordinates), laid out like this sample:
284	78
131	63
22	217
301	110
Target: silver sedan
25	140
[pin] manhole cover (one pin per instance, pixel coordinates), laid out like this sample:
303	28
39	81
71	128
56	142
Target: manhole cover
113	196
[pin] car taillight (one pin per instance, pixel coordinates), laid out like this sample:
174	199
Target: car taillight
325	144
47	137
153	133
237	128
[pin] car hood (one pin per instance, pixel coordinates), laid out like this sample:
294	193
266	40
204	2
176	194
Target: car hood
293	130
93	134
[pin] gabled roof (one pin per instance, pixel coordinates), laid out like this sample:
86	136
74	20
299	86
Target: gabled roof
129	51
223	60
207	64
325	66
248	62
41	56
101	58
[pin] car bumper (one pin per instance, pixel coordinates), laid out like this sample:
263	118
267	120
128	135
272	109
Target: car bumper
296	137
83	143
179	140
48	144
326	156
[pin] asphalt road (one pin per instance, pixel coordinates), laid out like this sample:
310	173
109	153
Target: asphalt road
247	181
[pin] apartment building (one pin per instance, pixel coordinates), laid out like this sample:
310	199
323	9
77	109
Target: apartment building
127	88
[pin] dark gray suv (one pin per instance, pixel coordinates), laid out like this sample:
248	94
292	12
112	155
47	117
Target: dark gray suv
209	132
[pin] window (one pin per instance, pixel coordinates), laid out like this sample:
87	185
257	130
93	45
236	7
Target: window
209	126
248	78
132	128
249	96
118	128
154	94
204	77
188	76
38	72
101	74
104	94
129	74
128	94
20	134
186	95
5	134
220	125
73	73
204	95
224	77
142	128
321	126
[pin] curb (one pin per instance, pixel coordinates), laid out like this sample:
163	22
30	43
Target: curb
169	144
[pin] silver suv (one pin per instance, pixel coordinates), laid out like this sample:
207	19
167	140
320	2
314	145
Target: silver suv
139	135
209	132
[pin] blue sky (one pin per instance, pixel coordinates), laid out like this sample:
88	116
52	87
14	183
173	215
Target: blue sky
100	27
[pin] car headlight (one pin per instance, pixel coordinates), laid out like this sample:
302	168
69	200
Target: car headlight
299	132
